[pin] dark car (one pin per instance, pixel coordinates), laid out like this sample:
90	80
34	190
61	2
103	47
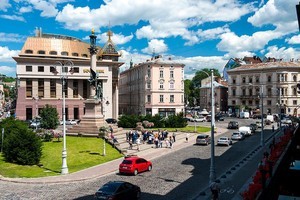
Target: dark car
118	190
111	121
219	118
134	165
253	127
233	125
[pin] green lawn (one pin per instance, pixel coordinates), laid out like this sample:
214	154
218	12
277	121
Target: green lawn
82	152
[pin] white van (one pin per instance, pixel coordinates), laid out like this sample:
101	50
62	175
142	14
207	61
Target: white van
244	115
271	118
246	130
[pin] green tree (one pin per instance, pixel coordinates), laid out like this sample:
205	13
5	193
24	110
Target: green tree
49	117
21	145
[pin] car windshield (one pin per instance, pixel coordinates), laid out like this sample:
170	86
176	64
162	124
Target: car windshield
109	188
222	138
235	133
201	136
127	162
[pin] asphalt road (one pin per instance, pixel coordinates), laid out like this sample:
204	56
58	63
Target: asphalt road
180	175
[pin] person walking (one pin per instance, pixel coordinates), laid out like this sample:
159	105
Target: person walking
215	189
174	137
187	137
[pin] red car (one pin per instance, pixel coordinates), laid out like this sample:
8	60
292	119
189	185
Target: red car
134	165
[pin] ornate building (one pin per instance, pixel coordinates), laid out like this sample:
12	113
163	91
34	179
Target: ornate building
271	84
152	87
38	83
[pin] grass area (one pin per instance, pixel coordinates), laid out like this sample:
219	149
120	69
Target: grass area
82	152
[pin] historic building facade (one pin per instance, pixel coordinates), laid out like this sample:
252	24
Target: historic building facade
38	83
152	87
271	84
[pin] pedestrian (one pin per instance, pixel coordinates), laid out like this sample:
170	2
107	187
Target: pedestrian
138	141
111	131
174	137
215	189
187	137
130	144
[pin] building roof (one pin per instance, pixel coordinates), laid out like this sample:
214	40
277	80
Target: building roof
266	65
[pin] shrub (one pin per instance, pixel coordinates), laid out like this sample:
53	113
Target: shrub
49	117
21	145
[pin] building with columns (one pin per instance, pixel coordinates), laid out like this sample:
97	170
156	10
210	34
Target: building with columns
152	87
44	54
271	84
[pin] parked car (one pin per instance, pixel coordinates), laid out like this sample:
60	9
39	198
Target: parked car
111	121
71	122
217	118
237	136
118	190
134	165
259	125
35	123
286	121
233	125
224	141
253	127
200	119
203	139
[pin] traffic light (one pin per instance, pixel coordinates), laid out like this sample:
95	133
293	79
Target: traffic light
298	86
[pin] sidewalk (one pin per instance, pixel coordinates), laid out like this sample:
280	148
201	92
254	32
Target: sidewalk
112	166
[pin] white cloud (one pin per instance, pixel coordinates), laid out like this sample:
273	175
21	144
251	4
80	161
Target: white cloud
278	13
48	9
11	37
294	40
285	53
26	9
13	17
213	33
117	39
234	44
8	71
158	46
4	4
6	54
163	18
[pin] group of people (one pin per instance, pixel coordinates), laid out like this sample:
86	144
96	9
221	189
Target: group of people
150	137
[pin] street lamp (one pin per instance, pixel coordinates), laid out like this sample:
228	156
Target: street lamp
262	142
212	171
63	75
36	111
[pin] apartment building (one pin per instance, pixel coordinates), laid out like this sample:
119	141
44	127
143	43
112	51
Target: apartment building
38	83
271	84
152	87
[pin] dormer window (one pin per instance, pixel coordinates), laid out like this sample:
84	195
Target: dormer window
75	54
28	51
53	52
84	55
41	52
64	53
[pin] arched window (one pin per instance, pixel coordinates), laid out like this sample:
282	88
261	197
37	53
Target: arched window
29	51
53	52
269	78
41	52
74	54
84	55
64	53
295	78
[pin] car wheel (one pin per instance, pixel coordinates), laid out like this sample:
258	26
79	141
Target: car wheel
149	168
135	172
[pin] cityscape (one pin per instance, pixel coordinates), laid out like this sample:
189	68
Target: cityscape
126	104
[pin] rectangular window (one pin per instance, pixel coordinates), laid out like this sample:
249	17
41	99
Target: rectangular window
171	74
40	68
85	89
233	81
148	85
269	102
233	92
161	86
171	98
28	88
52	88
28	68
244	92
161	74
250	102
75	69
75	89
41	88
52	69
149	98
233	102
149	72
295	102
65	89
161	98
171	85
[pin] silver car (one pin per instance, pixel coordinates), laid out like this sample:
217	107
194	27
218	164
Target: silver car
237	136
224	141
203	139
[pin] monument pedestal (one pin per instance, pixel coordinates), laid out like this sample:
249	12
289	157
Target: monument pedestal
91	121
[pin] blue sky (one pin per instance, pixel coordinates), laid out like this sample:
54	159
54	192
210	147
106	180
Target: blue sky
199	33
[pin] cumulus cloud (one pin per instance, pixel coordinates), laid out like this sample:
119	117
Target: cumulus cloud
213	33
11	37
294	40
6	54
158	46
278	13
4	5
13	17
118	39
26	9
283	52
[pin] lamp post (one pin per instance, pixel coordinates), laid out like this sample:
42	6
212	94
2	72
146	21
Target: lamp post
63	76
262	142
36	111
